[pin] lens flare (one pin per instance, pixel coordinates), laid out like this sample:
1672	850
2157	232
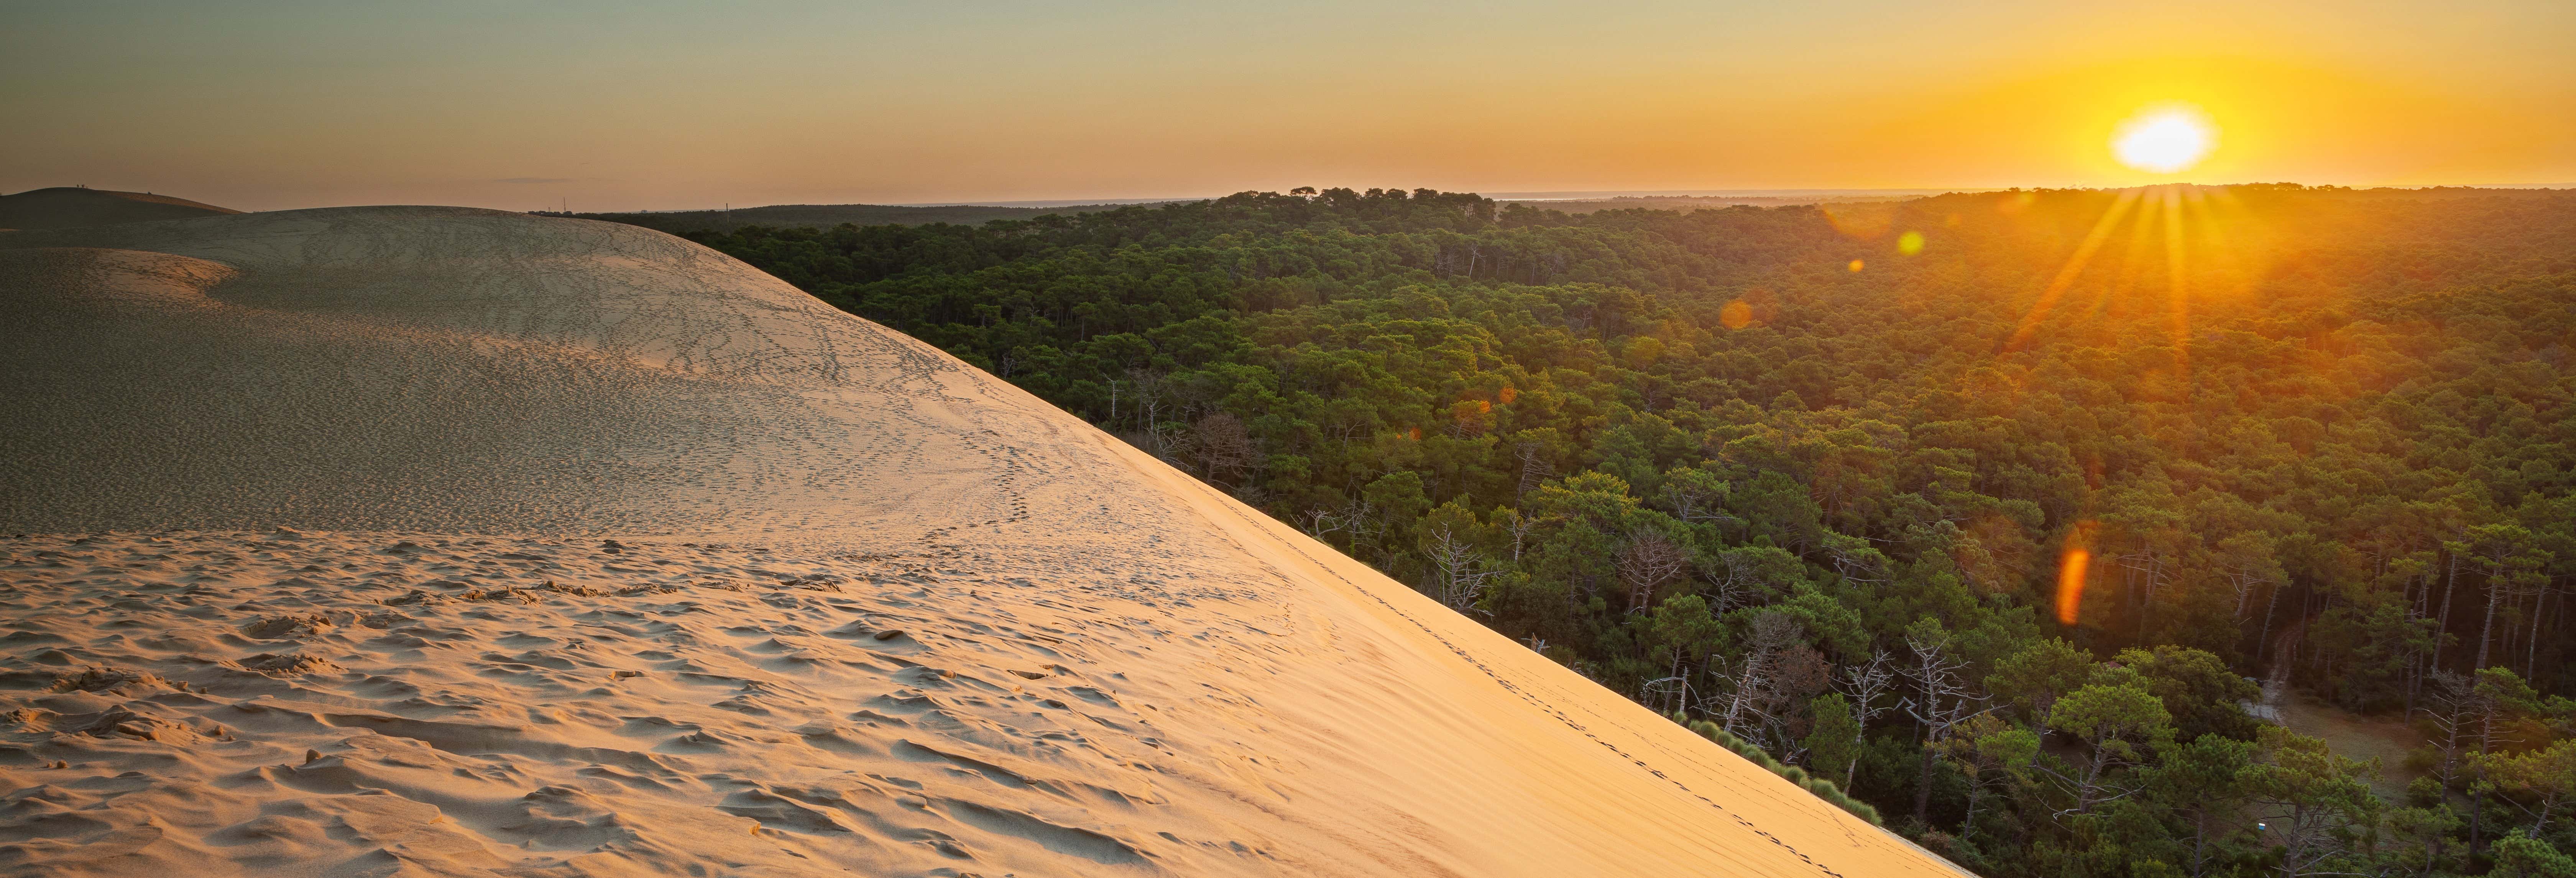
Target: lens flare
2165	139
2070	571
2070	584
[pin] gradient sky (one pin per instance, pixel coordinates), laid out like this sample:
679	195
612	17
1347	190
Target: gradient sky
620	106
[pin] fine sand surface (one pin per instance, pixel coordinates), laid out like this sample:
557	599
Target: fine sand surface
432	541
71	206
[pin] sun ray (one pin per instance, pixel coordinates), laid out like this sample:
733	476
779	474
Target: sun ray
2123	293
2223	257
2074	266
2177	289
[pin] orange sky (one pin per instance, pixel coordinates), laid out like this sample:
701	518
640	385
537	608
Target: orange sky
664	106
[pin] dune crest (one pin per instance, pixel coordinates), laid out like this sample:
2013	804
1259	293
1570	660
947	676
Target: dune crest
443	541
72	206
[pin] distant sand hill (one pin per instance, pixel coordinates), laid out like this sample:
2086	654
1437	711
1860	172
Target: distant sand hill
72	206
435	541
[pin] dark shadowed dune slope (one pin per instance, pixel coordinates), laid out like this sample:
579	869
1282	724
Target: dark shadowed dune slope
64	207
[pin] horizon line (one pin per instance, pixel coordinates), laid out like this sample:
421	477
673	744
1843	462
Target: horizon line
1587	195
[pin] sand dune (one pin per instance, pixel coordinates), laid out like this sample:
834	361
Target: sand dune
435	541
72	206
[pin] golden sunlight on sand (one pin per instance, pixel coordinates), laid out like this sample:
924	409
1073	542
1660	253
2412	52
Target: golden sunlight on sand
446	541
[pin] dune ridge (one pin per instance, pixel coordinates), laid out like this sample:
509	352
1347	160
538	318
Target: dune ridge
73	206
443	541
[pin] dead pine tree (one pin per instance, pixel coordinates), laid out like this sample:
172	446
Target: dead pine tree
1148	405
1735	579
1519	526
1225	449
1459	572
1774	632
1646	563
1361	520
1867	686
1668	695
1534	468
1940	701
2454	710
1318	521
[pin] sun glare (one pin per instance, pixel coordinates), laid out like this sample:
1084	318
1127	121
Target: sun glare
2165	139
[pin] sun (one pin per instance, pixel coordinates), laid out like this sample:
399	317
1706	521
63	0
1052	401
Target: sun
2165	138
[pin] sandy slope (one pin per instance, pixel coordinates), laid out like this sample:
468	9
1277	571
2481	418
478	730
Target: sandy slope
70	206
440	541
